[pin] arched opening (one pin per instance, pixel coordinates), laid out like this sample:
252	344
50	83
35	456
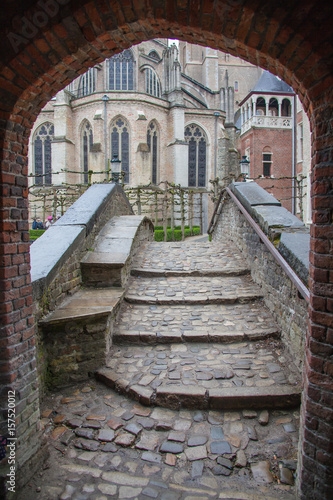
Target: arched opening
39	62
286	108
261	107
273	107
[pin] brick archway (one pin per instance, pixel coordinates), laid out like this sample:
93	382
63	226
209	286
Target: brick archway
47	43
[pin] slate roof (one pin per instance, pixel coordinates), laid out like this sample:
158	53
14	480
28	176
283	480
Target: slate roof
270	83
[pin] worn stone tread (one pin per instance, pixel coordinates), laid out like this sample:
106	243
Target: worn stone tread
204	375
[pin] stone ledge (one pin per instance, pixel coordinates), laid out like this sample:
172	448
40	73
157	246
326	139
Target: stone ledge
255	397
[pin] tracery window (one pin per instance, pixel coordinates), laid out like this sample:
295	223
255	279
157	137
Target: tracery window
87	83
43	154
120	143
153	144
197	155
121	71
86	145
153	86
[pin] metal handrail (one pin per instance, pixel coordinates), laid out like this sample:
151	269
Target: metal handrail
276	254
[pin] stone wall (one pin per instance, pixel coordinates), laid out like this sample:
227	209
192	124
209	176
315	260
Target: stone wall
56	255
280	294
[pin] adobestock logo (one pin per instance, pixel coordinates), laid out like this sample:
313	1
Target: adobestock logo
26	29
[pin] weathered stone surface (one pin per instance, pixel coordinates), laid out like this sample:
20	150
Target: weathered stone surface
125	439
151	457
220	447
286	476
241	460
106	435
261	472
197	440
171	447
263	417
196	453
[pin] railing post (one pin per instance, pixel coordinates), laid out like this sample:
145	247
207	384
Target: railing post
54	208
182	205
165	212
172	215
201	215
190	210
156	208
138	201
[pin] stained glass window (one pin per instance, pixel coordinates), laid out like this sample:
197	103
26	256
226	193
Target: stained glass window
87	84
197	155
153	86
43	154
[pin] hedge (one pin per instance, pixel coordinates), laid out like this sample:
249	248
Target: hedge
159	233
35	233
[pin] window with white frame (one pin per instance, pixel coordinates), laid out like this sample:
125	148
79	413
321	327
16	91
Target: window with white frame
267	164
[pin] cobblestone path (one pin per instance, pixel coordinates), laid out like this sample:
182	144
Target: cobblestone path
203	398
203	341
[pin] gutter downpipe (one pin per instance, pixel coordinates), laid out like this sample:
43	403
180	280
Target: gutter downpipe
293	168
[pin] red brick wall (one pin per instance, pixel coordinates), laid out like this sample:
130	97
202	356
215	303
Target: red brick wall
46	44
279	142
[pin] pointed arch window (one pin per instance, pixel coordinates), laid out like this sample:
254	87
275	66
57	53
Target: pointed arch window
120	143
43	154
86	145
87	83
121	71
197	155
153	144
153	86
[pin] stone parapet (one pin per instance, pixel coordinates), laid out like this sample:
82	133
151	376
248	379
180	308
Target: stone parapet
280	294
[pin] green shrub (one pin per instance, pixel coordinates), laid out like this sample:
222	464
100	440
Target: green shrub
159	235
196	230
35	233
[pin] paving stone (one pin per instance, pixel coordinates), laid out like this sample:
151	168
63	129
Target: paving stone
263	417
170	459
109	448
252	433
67	493
100	418
74	422
146	422
150	492
148	456
106	435
219	470
148	442
249	414
92	424
286	476
86	444
225	462
85	433
198	416
261	472
127	416
197	468
115	423
177	436
107	489
128	492
220	447
196	453
163	426
241	460
216	433
289	427
171	447
197	440
125	439
133	428
66	438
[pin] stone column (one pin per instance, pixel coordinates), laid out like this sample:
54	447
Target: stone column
63	151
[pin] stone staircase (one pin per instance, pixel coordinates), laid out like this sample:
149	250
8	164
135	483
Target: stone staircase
193	332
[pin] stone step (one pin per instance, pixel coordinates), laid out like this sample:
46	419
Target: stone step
186	258
190	290
245	375
154	324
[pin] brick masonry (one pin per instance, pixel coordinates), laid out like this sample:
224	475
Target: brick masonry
41	56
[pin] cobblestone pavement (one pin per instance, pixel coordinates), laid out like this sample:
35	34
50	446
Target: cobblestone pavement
211	322
173	290
178	339
103	446
188	256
